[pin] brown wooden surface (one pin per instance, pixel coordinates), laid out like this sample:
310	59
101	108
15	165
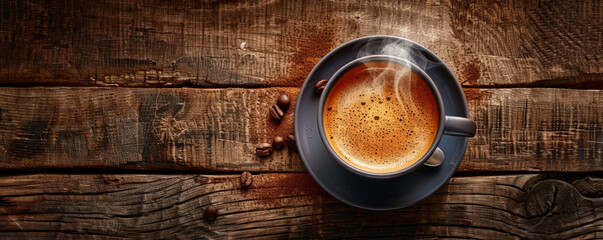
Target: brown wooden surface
292	206
531	72
536	129
155	43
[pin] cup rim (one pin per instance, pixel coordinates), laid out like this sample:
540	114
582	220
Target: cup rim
440	104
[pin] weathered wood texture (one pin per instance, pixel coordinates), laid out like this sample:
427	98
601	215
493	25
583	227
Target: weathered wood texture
217	129
535	129
276	43
290	205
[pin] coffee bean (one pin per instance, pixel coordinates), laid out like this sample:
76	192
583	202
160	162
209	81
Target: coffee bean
246	179
290	140
278	143
276	113
211	213
263	149
283	102
320	85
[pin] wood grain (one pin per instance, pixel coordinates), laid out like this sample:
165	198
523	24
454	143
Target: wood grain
288	206
276	43
149	128
536	129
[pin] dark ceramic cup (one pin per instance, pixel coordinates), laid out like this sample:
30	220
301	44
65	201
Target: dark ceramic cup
449	125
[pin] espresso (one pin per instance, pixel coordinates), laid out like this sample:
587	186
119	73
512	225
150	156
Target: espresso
380	117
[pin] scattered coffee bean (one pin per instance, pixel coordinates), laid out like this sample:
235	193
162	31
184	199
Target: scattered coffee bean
276	113
278	143
263	149
320	85
211	213
290	140
246	179
283	102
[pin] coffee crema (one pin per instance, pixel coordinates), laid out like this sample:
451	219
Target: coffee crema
380	117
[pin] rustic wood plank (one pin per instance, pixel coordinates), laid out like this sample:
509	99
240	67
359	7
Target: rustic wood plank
535	129
149	128
276	43
289	205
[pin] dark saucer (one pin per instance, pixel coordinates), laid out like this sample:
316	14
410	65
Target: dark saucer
377	194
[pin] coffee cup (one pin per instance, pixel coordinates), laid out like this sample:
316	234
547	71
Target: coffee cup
382	116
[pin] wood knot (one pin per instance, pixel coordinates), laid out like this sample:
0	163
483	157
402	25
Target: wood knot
550	197
554	209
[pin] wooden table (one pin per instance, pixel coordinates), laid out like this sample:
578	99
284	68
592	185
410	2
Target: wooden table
127	119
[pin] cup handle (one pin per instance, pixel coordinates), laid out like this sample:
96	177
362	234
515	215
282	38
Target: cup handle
459	126
455	126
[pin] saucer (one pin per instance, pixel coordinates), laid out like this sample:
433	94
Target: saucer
362	192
